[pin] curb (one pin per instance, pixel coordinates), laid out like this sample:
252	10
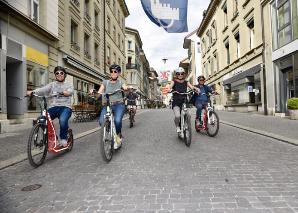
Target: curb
264	133
21	157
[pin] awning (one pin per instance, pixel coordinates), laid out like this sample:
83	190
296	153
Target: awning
250	72
72	61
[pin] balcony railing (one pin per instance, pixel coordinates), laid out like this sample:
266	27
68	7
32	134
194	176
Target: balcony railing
132	66
96	61
75	46
87	55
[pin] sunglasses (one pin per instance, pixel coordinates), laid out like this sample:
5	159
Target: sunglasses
113	71
179	73
201	80
59	73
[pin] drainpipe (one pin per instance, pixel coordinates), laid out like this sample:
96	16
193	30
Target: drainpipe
104	36
263	67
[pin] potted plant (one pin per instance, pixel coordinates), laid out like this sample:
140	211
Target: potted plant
293	108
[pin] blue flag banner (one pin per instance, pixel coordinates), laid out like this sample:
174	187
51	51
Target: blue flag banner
169	14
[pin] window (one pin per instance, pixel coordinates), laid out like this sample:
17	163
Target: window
129	45
215	62
225	11
96	20
295	18
212	66
235	7
213	31
109	25
86	10
227	46
74	36
96	54
198	47
209	38
86	46
118	40
284	23
109	55
118	17
237	38
114	58
129	60
35	10
73	32
114	7
114	33
251	28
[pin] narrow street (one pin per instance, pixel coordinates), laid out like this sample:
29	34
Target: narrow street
237	171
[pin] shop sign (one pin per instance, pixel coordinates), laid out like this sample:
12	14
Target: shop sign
37	56
249	88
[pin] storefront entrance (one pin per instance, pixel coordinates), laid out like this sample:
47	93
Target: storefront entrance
288	81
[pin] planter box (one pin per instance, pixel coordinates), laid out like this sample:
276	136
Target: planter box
293	114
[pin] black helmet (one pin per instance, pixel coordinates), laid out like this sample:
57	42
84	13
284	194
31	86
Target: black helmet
116	67
59	68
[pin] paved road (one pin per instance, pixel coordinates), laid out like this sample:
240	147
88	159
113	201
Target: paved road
237	171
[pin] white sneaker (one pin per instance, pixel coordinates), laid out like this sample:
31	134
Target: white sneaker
63	142
178	130
117	143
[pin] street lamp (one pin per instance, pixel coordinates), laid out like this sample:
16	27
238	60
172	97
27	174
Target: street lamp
164	60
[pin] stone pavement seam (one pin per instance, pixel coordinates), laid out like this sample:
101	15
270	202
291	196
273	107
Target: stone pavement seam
264	133
21	157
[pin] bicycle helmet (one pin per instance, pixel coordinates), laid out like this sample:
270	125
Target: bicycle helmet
179	70
59	68
116	67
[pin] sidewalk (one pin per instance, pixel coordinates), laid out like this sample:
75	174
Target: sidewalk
282	129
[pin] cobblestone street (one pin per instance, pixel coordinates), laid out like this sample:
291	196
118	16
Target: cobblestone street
154	171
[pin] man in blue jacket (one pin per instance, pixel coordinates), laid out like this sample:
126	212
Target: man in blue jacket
202	98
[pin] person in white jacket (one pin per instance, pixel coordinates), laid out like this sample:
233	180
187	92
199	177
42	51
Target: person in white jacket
60	103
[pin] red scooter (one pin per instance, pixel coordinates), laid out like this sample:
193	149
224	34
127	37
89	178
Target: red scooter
43	137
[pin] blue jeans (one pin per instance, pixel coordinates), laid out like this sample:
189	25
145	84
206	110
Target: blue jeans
118	111
200	105
63	113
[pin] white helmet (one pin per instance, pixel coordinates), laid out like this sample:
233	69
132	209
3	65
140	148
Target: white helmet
179	70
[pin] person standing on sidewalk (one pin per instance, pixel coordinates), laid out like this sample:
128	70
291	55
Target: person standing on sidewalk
116	100
201	100
60	105
180	85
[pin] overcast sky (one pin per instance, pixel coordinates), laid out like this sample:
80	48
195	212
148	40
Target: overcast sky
157	43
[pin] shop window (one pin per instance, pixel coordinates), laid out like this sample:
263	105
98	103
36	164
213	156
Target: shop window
257	88
37	76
